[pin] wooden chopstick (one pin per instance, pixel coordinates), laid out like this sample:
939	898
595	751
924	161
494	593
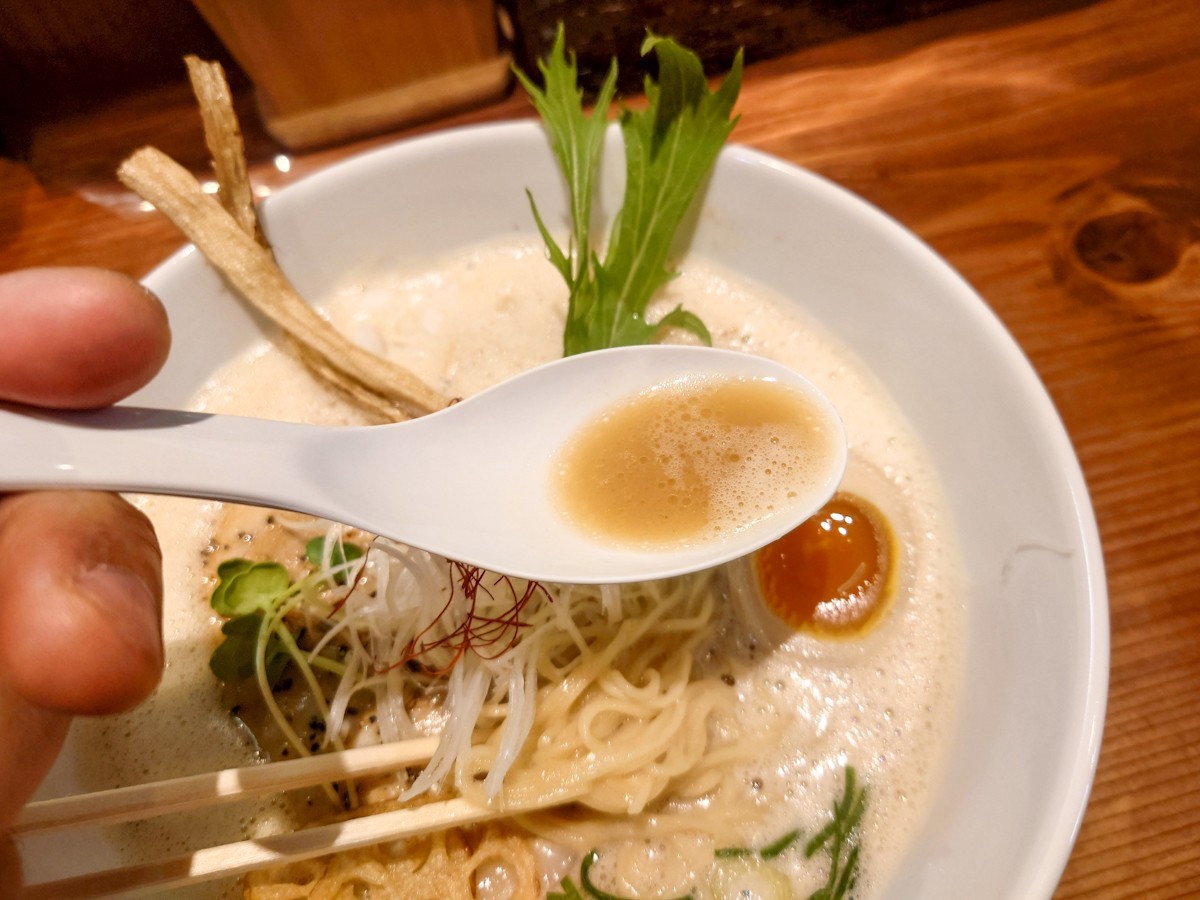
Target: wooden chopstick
194	791
238	858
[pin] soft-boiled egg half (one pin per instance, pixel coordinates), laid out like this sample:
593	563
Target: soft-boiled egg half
836	574
833	574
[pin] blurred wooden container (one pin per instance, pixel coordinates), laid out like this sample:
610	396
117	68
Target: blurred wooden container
327	72
598	30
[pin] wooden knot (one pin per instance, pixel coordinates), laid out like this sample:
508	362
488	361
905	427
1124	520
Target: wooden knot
1131	246
1134	238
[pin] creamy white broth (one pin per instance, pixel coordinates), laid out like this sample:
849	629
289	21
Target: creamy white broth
882	703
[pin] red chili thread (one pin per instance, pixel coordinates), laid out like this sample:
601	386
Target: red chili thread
476	632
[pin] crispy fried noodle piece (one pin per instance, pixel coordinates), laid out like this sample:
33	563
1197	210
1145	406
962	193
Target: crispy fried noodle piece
226	232
223	136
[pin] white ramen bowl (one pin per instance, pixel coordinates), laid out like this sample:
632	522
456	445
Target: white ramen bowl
1009	801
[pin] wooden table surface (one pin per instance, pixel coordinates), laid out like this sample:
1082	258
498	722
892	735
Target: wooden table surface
1051	152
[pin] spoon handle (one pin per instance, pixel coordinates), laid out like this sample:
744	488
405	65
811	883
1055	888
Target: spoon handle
142	450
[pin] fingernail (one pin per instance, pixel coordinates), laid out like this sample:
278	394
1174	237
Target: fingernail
120	593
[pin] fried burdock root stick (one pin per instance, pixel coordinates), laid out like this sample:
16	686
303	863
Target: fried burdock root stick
223	137
229	236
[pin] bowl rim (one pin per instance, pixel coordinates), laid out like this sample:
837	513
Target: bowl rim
1040	875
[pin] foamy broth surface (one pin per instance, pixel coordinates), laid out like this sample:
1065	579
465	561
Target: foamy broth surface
882	703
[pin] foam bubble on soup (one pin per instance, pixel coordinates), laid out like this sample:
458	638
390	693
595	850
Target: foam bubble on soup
692	460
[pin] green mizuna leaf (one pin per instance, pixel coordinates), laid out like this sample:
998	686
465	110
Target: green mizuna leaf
840	839
225	575
245	587
233	660
576	139
246	591
568	892
670	148
340	553
777	847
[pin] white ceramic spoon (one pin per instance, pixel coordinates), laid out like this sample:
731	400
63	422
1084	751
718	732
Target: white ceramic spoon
470	482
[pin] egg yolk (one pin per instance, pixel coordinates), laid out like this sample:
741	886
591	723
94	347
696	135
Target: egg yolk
832	574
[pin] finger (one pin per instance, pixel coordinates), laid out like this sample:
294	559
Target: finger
80	601
11	882
76	337
29	743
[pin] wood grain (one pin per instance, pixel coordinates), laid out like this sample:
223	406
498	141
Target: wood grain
1051	152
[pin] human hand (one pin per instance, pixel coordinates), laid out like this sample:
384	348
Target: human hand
80	572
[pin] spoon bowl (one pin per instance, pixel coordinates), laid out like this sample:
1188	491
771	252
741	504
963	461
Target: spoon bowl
470	482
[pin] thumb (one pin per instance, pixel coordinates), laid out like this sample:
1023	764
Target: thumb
80	602
80	595
30	741
11	884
